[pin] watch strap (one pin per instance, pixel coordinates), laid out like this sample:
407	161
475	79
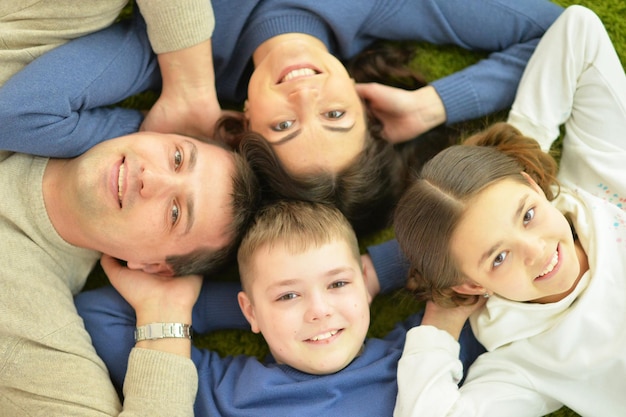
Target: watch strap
163	330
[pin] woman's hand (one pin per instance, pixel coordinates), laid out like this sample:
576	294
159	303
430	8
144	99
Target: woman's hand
405	114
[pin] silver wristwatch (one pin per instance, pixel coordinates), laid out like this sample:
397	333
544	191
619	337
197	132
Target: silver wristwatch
163	330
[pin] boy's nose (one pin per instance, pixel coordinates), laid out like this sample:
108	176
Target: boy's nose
318	309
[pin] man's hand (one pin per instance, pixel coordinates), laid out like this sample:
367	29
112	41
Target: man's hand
404	114
155	298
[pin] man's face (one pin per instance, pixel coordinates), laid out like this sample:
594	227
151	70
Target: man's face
146	196
312	308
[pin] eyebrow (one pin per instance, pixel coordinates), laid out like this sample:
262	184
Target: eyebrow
193	158
292	281
294	134
489	252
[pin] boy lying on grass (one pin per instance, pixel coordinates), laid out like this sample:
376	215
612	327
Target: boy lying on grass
304	289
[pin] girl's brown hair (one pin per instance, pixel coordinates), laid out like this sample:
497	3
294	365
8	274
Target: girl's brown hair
433	205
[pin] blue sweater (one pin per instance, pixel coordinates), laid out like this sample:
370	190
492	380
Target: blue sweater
54	107
244	386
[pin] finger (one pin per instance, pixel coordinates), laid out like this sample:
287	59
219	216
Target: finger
112	267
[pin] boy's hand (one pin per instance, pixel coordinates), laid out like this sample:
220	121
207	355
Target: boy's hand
405	114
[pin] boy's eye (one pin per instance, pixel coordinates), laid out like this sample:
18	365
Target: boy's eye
499	259
529	215
334	114
284	125
338	284
288	296
175	213
178	158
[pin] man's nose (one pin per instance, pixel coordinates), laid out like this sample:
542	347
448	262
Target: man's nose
154	183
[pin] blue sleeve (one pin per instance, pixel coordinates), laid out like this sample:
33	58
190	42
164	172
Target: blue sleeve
390	264
217	308
111	321
56	106
508	29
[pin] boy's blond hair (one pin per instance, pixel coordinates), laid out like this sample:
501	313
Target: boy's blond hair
298	225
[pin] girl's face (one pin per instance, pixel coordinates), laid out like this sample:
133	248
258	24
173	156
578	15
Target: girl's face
303	101
513	242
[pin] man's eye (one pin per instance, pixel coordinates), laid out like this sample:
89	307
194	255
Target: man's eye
284	125
178	158
334	114
175	213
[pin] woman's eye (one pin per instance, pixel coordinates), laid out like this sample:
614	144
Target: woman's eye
334	114
529	215
500	258
174	214
284	125
178	158
288	296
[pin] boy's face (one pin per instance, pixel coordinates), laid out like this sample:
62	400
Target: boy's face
312	308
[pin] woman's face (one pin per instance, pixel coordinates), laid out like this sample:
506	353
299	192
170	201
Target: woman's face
303	101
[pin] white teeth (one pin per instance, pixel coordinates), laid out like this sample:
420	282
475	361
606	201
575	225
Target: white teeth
324	336
301	72
551	265
120	183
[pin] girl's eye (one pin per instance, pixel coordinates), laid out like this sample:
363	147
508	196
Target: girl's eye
288	296
174	214
529	215
284	125
334	114
338	284
499	259
178	159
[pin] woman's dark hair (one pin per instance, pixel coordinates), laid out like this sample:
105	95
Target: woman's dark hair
367	190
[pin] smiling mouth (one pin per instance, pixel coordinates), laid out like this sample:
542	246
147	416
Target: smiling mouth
120	183
297	73
550	267
324	336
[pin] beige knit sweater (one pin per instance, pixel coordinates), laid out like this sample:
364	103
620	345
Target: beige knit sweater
29	28
48	366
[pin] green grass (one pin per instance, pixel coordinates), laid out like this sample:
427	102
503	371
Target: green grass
434	62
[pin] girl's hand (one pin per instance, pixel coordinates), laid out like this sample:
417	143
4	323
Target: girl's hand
450	319
405	114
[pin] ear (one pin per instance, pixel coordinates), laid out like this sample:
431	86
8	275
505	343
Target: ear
245	109
470	288
533	183
248	310
370	278
157	268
